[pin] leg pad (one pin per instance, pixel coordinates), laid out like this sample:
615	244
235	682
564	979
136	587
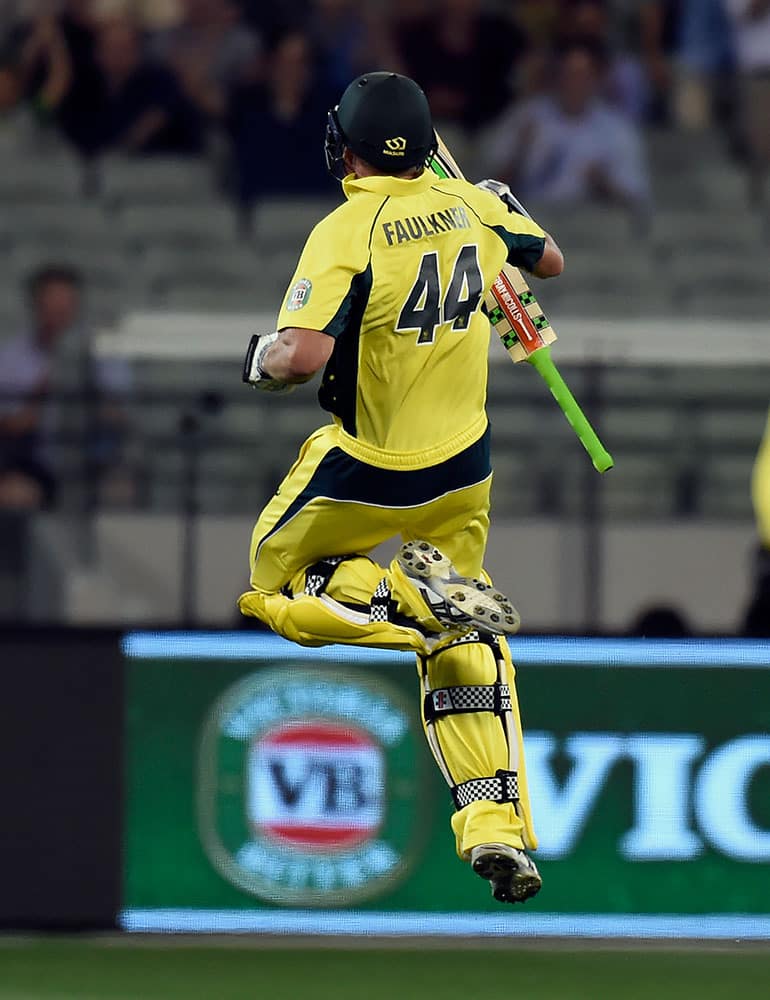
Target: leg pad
467	698
503	787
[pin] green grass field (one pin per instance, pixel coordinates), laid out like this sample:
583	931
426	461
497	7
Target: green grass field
46	969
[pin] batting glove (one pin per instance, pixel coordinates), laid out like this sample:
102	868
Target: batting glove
506	196
253	372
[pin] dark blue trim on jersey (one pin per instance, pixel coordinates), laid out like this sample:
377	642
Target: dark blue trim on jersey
339	386
524	249
341	477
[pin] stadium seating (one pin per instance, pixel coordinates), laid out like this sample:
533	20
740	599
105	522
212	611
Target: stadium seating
724	487
155	182
53	176
143	226
56	226
180	237
160	234
684	230
285	223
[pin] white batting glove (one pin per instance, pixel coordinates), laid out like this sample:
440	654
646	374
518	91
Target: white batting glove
506	196
253	372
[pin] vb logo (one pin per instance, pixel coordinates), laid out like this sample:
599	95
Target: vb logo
307	787
316	784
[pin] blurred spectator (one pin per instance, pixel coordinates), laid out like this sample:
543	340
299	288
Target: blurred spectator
26	478
571	146
16	119
137	107
10	14
51	356
154	15
659	35
277	127
661	622
626	86
539	19
25	362
687	46
62	44
11	91
46	59
464	58
208	52
46	64
78	23
340	30
271	20
751	26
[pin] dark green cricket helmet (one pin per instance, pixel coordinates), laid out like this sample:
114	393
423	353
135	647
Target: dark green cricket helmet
385	119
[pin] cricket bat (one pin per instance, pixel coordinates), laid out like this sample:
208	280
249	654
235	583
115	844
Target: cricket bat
526	332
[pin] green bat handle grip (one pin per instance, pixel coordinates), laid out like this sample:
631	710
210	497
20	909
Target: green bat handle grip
542	361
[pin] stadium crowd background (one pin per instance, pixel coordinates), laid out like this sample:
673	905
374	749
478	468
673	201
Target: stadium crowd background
250	82
167	154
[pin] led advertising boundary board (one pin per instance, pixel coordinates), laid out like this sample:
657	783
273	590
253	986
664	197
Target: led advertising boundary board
278	789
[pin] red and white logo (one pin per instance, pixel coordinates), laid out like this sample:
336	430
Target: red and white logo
309	786
316	784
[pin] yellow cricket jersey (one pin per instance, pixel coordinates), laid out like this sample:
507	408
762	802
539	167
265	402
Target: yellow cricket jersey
397	275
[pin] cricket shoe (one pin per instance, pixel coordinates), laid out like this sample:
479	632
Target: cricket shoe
459	603
511	873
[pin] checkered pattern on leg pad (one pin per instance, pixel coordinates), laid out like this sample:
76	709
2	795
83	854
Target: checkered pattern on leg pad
503	787
467	698
318	575
379	607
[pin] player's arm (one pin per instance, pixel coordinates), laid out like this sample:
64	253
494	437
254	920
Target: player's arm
529	247
314	308
278	361
551	264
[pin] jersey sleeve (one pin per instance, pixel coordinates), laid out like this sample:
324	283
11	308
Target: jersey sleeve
323	279
523	238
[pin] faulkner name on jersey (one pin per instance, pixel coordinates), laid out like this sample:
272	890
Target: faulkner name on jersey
419	226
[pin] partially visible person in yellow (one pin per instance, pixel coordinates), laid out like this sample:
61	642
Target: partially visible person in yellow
760	488
387	300
758	615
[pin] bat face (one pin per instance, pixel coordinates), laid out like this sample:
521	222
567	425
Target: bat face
516	315
511	305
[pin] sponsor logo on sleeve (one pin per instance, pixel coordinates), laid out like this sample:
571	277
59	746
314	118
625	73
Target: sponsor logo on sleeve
299	294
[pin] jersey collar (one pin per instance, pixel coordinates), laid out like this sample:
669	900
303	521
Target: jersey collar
383	185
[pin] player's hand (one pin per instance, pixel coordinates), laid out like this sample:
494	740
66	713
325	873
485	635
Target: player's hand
253	372
506	196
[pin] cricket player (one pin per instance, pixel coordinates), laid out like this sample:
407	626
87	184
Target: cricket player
758	613
386	299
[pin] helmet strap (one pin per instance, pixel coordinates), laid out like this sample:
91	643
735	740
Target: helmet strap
334	146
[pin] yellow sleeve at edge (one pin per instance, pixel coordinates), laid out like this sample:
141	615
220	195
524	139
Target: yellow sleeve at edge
760	488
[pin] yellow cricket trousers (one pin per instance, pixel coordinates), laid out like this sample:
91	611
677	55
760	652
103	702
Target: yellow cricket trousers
333	505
